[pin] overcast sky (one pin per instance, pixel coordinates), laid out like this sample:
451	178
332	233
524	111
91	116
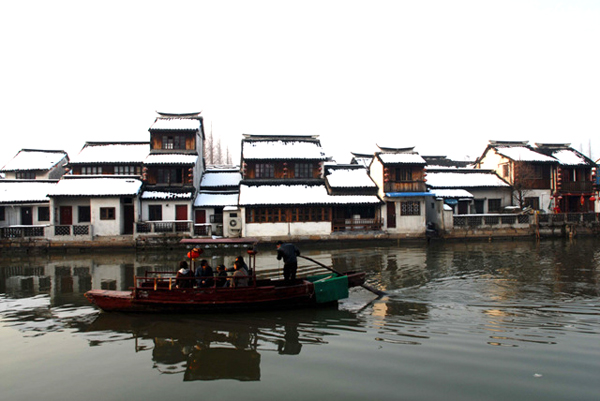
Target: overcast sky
443	76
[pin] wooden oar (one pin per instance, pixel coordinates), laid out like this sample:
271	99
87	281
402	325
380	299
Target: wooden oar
375	291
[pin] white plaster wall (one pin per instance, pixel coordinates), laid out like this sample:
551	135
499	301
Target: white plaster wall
56	203
106	227
168	209
284	229
544	195
492	161
493	193
376	173
407	224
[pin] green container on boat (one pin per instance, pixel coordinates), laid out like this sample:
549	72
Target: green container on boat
329	288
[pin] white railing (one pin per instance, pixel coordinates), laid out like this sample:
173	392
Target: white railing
164	227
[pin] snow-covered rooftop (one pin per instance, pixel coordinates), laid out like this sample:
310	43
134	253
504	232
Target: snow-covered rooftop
112	153
297	195
523	153
176	124
208	199
96	186
451	193
220	179
401	158
165	195
25	191
278	150
349	178
28	159
471	179
171	158
569	157
363	161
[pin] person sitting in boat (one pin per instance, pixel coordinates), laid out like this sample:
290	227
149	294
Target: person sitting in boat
184	276
204	274
240	275
288	252
222	276
240	259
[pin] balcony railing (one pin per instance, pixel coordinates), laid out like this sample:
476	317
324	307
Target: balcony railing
357	224
411	186
164	227
577	186
564	218
22	231
491	220
74	230
203	230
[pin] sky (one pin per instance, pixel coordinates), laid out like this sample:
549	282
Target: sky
443	76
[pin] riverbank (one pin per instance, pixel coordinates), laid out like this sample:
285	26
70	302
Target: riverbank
107	244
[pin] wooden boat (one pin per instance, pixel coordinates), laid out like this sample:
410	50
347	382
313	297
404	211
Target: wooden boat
158	292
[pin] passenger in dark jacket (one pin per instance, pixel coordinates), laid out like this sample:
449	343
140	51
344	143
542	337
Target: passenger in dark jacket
184	276
288	253
204	274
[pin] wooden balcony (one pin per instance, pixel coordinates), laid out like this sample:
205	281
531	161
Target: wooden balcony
408	186
576	187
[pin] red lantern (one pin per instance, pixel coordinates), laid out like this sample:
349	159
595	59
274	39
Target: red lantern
195	253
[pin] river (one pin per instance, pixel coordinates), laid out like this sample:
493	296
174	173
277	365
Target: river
462	321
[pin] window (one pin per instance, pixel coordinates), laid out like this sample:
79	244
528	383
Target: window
91	170
403	174
25	175
127	170
173	142
411	208
84	214
154	212
265	170
107	213
303	170
533	203
280	215
505	170
2	214
170	176
494	205
43	213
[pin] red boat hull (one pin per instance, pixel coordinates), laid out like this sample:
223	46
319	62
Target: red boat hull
266	294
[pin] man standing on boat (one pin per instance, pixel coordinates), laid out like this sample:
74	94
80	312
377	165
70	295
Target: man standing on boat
288	252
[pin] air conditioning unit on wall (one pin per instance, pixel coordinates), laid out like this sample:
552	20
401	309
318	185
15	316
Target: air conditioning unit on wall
232	222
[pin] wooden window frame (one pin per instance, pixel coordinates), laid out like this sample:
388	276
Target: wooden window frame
410	208
108	213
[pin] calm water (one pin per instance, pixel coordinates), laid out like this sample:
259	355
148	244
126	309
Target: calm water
470	321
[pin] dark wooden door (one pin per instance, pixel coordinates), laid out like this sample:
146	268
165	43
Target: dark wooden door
128	217
181	212
200	217
66	215
26	218
391	214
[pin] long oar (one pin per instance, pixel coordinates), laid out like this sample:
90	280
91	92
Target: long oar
375	291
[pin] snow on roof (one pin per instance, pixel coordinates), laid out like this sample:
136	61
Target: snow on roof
467	179
208	199
451	193
278	149
523	153
401	158
569	157
28	159
363	161
165	195
349	178
96	186
176	124
221	179
171	158
112	153
297	195
14	191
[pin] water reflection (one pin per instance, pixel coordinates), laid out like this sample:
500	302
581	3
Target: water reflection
217	347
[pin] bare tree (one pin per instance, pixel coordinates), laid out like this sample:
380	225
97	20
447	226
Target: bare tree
209	148
524	177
